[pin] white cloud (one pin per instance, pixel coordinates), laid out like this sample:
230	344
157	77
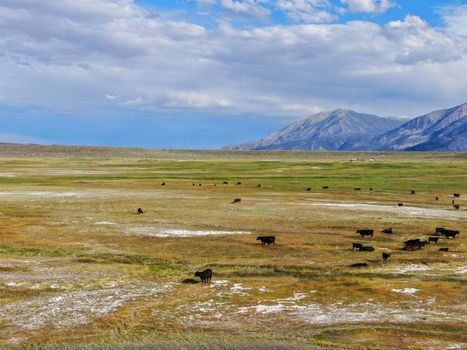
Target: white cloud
369	6
67	55
455	19
249	7
309	11
111	97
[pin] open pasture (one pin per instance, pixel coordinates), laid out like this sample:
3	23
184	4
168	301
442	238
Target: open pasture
78	265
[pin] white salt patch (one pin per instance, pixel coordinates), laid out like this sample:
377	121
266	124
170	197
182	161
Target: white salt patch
376	312
7	175
105	223
406	290
267	309
295	297
263	289
413	268
461	270
219	283
75	308
155	232
239	289
403	211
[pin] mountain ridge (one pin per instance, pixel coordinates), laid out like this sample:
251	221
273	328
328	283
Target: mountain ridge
346	130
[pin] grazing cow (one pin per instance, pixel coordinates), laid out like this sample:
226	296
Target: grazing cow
456	206
386	256
443	249
365	232
267	240
367	248
400	204
357	189
308	189
200	184
357	246
436	198
140	211
433	239
453	202
226	183
325	187
457	195
371	188
387	230
359	265
239	183
204	275
412	241
450	233
163	184
440	230
413	191
258	185
194	184
237	200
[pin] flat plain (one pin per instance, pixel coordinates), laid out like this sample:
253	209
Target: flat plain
79	267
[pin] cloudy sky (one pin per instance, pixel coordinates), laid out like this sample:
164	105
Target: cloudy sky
205	73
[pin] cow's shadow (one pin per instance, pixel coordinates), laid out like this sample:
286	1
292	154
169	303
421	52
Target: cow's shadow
190	281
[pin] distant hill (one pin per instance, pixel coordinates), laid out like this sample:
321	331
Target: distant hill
439	131
324	131
346	130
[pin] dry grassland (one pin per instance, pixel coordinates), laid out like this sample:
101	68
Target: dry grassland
80	269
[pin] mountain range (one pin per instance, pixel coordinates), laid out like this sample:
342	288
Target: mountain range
346	130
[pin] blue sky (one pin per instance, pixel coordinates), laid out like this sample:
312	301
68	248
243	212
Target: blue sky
206	73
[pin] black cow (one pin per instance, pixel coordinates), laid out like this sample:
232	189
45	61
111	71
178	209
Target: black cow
357	189
456	206
204	275
267	240
387	230
413	191
457	195
308	189
450	233
140	211
258	185
325	187
239	183
357	246
433	239
367	248
365	232
371	188
412	241
359	265
200	184
400	204
163	184
440	230
237	200
443	249
194	184
226	183
436	198
386	256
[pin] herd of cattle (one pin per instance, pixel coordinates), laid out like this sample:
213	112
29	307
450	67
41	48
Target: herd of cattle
409	245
